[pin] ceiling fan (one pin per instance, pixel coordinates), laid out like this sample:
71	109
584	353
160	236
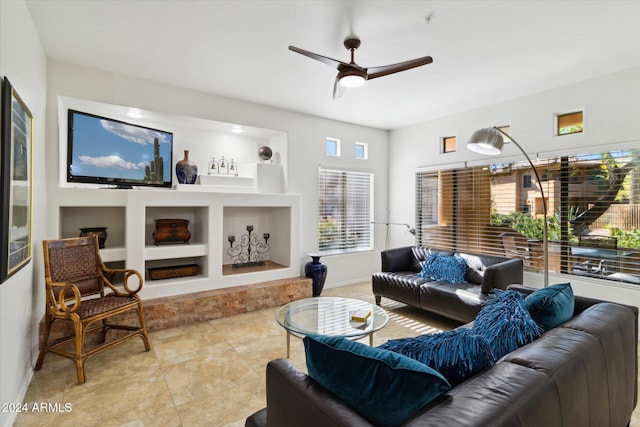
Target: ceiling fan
353	75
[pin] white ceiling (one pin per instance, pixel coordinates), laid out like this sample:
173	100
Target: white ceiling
483	52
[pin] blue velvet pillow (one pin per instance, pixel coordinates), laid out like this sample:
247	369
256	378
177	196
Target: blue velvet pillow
382	386
505	322
444	268
457	354
551	306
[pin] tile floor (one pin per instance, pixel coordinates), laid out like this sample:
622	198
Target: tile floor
205	374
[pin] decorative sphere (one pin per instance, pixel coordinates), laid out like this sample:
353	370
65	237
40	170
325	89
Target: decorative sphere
265	153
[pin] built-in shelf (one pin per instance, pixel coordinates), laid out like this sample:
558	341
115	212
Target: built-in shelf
73	218
212	217
262	178
175	251
113	254
258	195
130	215
229	269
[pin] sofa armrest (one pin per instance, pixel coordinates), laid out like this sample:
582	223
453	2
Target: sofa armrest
294	399
502	274
581	304
399	259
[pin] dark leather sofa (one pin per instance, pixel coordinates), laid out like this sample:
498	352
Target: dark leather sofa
399	281
582	373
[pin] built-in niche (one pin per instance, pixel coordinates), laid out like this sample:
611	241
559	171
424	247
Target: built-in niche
196	215
205	140
215	210
255	239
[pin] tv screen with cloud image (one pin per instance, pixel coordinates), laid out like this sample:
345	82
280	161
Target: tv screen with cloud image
108	151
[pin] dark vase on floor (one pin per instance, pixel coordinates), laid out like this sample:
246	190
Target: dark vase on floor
186	170
317	271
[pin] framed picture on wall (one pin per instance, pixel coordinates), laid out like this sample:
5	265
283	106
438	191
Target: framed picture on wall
16	182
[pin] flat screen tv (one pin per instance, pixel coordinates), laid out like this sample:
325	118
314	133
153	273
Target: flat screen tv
108	151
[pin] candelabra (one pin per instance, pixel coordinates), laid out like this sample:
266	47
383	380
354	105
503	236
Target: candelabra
249	250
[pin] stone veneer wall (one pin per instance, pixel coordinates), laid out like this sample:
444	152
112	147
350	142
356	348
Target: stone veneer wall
168	312
163	313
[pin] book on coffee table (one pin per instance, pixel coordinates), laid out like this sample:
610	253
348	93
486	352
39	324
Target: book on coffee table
361	315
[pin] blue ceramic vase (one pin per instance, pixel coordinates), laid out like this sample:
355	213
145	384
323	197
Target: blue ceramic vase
186	170
317	271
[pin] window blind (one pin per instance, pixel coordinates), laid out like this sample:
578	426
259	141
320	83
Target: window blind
593	202
345	210
570	123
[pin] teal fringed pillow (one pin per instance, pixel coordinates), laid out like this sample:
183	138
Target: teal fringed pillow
457	355
444	268
504	321
551	306
382	386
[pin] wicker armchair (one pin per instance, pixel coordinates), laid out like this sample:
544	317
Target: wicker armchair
75	278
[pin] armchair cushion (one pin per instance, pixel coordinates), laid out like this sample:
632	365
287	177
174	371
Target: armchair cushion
551	306
382	386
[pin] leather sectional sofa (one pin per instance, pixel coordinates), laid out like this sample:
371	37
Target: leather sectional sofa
399	281
581	373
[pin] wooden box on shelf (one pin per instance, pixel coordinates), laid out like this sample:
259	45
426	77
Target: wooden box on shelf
170	231
171	272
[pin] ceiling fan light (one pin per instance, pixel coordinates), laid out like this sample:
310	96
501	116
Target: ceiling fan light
352	80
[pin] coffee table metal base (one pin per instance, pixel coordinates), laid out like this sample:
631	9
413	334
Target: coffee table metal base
329	316
289	334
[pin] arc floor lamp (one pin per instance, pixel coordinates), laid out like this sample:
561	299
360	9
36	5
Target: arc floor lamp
489	141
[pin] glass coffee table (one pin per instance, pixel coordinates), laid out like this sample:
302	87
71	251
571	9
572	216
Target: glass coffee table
329	316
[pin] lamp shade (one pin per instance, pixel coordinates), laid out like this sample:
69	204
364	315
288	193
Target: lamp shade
486	141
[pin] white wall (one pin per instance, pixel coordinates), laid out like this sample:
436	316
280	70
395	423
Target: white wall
23	62
305	135
611	106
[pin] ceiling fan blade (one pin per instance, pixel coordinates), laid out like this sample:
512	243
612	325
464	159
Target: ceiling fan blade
338	89
334	63
375	72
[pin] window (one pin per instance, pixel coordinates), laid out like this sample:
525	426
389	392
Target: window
507	130
590	194
428	200
449	144
569	123
345	210
526	181
332	147
362	151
